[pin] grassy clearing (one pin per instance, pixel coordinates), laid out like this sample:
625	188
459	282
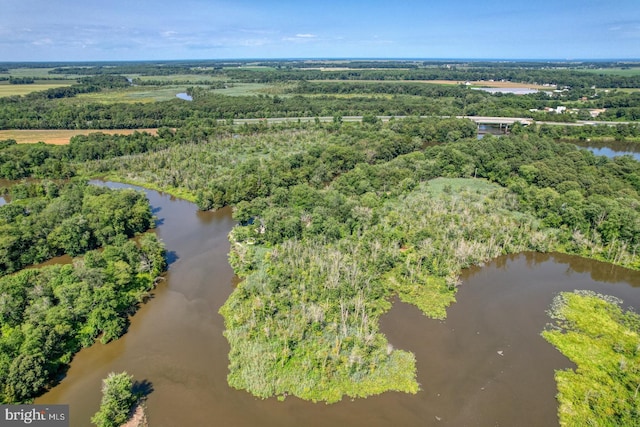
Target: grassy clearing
626	72
133	94
476	83
487	83
180	77
455	185
7	89
617	89
60	136
244	89
253	67
124	178
31	72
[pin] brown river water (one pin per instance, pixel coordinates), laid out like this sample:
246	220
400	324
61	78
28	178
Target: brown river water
485	365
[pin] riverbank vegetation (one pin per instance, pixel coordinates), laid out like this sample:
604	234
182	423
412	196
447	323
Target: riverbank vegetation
48	313
602	339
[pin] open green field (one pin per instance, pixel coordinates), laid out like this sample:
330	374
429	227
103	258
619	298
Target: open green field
196	78
40	73
456	185
30	72
253	67
166	93
133	94
7	89
626	72
243	89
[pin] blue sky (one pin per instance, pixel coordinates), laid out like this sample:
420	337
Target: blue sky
88	30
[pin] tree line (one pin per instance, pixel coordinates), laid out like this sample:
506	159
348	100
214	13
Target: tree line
45	220
551	76
253	161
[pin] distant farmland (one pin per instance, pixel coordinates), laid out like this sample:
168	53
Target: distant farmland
60	137
7	89
488	83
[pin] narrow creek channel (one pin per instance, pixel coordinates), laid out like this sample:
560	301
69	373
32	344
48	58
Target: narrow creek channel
486	364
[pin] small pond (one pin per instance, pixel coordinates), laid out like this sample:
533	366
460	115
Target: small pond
184	96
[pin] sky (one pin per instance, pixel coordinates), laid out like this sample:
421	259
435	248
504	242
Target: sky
113	30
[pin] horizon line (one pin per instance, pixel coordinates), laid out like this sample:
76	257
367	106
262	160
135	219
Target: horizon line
291	59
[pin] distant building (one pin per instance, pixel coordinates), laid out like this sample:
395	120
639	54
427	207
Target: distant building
558	110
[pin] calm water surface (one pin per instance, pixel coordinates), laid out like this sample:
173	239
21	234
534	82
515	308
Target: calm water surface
611	148
486	365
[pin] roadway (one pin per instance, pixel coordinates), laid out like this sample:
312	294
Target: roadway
480	120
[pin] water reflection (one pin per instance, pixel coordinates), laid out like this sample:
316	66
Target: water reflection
612	148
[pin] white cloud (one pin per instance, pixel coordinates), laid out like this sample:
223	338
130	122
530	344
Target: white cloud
169	34
301	38
43	42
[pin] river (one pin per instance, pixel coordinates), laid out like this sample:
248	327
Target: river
485	365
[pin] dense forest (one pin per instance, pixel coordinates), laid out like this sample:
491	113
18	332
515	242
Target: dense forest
334	217
44	221
48	313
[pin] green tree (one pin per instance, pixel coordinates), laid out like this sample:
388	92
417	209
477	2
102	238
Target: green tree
27	376
117	400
